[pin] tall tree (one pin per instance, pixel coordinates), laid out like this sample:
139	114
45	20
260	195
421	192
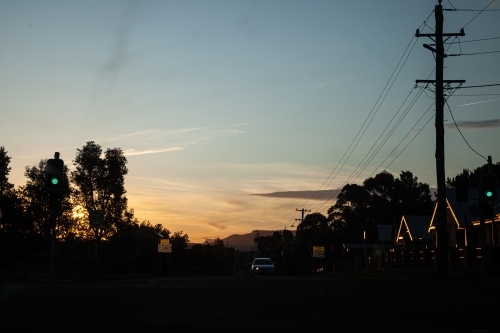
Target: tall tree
4	171
35	200
382	199
11	212
473	175
100	185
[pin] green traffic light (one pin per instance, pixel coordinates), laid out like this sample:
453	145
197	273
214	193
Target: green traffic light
489	194
54	181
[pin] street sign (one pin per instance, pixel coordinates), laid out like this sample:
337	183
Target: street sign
164	241
318	251
166	248
96	219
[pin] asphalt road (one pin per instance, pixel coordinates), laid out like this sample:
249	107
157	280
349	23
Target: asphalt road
252	304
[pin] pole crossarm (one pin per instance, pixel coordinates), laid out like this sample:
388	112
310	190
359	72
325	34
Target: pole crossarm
460	34
444	81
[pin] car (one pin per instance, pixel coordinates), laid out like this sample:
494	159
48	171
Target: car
262	266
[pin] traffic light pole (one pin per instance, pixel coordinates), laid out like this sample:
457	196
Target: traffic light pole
54	169
442	246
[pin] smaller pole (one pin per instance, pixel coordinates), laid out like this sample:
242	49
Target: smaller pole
366	261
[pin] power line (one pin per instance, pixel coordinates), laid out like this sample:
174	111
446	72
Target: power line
355	194
377	109
411	129
478	14
475	40
477	95
481	86
410	142
359	169
358	137
469	54
362	166
471	10
463	137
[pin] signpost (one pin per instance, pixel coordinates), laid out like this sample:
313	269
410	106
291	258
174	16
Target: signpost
96	219
384	235
165	247
318	251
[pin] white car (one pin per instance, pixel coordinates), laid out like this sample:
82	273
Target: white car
262	266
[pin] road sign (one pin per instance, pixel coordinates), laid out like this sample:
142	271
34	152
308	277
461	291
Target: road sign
318	251
96	219
167	248
164	241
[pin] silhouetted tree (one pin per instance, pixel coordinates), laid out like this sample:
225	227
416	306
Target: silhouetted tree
35	200
473	175
179	243
382	199
11	210
99	185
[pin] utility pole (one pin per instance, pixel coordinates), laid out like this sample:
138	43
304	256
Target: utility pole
442	245
303	211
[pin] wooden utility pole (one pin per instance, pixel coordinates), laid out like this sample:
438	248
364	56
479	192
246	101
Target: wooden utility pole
302	210
442	245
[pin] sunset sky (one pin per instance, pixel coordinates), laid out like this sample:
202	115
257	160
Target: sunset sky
215	102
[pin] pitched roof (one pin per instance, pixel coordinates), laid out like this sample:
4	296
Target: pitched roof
416	226
460	212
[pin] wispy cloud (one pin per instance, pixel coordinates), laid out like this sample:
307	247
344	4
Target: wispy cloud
317	195
160	141
491	100
133	152
480	124
329	83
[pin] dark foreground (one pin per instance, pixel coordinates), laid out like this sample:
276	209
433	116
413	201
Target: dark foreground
252	304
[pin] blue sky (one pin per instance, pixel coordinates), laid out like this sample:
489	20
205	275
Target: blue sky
214	101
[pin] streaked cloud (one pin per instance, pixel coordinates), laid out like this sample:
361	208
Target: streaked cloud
133	152
160	141
471	124
491	100
329	83
315	195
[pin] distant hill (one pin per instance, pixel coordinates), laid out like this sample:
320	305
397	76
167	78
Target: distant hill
245	242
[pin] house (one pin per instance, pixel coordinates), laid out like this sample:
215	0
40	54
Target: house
413	233
463	221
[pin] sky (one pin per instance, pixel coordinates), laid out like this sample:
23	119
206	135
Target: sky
221	106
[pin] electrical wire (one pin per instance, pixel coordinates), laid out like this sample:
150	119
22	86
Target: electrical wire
364	166
477	40
469	54
400	142
378	108
481	86
478	14
409	142
471	10
358	137
477	95
381	145
463	137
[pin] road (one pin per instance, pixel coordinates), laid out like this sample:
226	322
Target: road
252	304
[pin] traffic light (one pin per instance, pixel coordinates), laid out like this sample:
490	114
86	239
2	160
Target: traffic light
54	174
462	188
489	187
